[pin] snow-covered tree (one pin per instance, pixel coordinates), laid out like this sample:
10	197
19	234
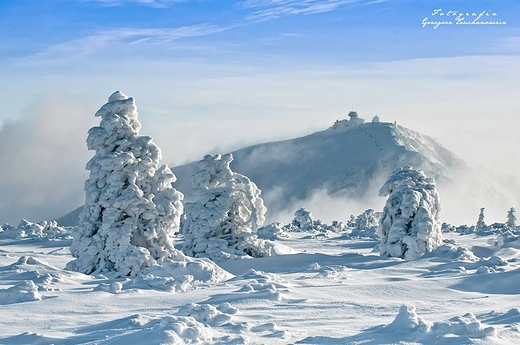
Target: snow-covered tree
409	225
223	222
351	221
511	218
131	209
303	220
366	220
481	224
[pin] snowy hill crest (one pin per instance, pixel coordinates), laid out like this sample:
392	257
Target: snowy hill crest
350	161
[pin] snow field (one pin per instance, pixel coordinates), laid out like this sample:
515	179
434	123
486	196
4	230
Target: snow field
330	290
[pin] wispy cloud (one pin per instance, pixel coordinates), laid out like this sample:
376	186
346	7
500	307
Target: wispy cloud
88	45
150	3
272	9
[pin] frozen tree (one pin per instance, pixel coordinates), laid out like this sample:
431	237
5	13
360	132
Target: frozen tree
222	224
409	225
511	218
131	210
366	220
481	224
303	220
351	221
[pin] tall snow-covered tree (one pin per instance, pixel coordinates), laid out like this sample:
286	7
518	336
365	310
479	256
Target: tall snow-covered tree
409	225
131	209
222	224
481	224
511	218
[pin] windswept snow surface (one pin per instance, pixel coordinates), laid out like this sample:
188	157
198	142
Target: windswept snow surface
334	289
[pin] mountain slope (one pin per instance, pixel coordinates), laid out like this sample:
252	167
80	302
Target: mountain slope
350	164
344	161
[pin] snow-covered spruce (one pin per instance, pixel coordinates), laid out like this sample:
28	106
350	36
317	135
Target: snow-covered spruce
511	218
409	225
222	224
304	221
365	225
481	224
131	210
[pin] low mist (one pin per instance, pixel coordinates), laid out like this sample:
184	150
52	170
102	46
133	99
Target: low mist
43	155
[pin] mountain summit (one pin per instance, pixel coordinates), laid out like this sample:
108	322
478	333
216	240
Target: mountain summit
350	159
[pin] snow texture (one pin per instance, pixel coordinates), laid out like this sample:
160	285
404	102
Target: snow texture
467	293
222	224
131	209
410	224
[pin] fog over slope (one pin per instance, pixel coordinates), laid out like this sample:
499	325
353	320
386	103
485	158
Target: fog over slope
338	171
346	165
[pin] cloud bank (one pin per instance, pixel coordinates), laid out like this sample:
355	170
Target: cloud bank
43	157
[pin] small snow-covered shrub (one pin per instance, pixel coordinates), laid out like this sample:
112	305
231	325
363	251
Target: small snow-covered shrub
131	209
222	224
304	222
465	229
445	227
410	224
36	231
272	231
365	225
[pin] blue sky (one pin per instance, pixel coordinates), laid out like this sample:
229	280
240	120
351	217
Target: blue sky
212	76
310	31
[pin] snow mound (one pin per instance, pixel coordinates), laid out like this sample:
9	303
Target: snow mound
139	329
273	231
507	282
326	272
450	251
44	276
24	291
172	276
218	249
409	328
255	285
209	314
36	231
263	285
413	328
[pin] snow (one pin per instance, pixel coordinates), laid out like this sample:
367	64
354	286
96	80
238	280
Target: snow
222	223
351	164
131	209
120	276
409	224
333	289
